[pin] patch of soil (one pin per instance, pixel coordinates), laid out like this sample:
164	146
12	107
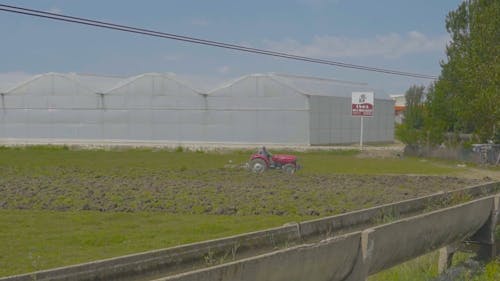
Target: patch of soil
380	153
218	191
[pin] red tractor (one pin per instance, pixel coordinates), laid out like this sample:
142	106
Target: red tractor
263	160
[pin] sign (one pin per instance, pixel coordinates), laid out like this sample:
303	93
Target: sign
362	104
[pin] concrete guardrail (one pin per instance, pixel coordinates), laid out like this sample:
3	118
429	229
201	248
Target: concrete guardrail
330	259
355	256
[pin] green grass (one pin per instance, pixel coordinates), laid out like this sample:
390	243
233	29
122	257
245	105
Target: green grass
38	159
491	272
171	197
34	240
321	162
424	268
420	269
180	182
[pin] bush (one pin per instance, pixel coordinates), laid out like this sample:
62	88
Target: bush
409	136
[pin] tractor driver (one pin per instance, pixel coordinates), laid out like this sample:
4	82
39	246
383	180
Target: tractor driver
263	151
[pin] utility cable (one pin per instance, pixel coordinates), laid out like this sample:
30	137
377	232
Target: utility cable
130	29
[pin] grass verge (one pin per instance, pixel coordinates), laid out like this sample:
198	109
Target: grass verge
35	240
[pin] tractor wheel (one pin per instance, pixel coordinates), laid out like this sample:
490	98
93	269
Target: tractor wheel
289	169
258	166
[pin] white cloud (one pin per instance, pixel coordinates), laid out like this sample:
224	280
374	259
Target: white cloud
55	10
392	45
223	69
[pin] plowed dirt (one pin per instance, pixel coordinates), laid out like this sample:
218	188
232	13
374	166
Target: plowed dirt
218	191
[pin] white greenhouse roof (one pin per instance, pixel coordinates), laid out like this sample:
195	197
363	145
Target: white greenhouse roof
310	86
11	79
41	77
234	81
167	76
316	86
98	83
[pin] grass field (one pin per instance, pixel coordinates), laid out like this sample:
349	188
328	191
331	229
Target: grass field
60	206
202	183
34	240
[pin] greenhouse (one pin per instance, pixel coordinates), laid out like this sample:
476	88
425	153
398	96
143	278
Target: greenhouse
154	107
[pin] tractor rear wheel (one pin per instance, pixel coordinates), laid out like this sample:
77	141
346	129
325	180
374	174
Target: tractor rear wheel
289	169
258	166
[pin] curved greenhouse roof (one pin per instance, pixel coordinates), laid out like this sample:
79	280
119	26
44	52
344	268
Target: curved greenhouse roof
49	84
161	83
315	86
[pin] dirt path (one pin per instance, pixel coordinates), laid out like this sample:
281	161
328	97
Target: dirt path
475	173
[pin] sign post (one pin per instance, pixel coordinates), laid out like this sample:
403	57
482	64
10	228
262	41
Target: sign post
362	105
361	134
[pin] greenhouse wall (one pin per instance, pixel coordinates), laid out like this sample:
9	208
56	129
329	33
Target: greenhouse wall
331	122
153	107
253	109
146	107
257	109
49	106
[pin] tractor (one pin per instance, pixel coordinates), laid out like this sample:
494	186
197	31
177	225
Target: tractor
263	160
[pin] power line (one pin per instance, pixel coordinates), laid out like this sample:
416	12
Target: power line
319	79
130	29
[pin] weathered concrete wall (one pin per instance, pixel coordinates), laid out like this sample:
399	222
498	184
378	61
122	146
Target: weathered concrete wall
355	256
397	242
188	257
330	259
355	220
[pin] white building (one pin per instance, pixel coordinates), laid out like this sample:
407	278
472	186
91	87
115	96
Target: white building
399	107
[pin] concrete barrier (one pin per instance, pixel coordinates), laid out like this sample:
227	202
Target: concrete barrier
188	257
397	242
330	259
355	256
356	220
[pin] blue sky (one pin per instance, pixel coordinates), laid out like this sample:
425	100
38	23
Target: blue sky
395	34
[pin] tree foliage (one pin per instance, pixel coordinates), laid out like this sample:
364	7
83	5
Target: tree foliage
466	97
410	131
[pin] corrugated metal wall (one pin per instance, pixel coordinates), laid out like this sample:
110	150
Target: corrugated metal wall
331	121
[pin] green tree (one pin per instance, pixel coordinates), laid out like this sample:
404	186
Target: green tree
410	131
414	112
466	98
